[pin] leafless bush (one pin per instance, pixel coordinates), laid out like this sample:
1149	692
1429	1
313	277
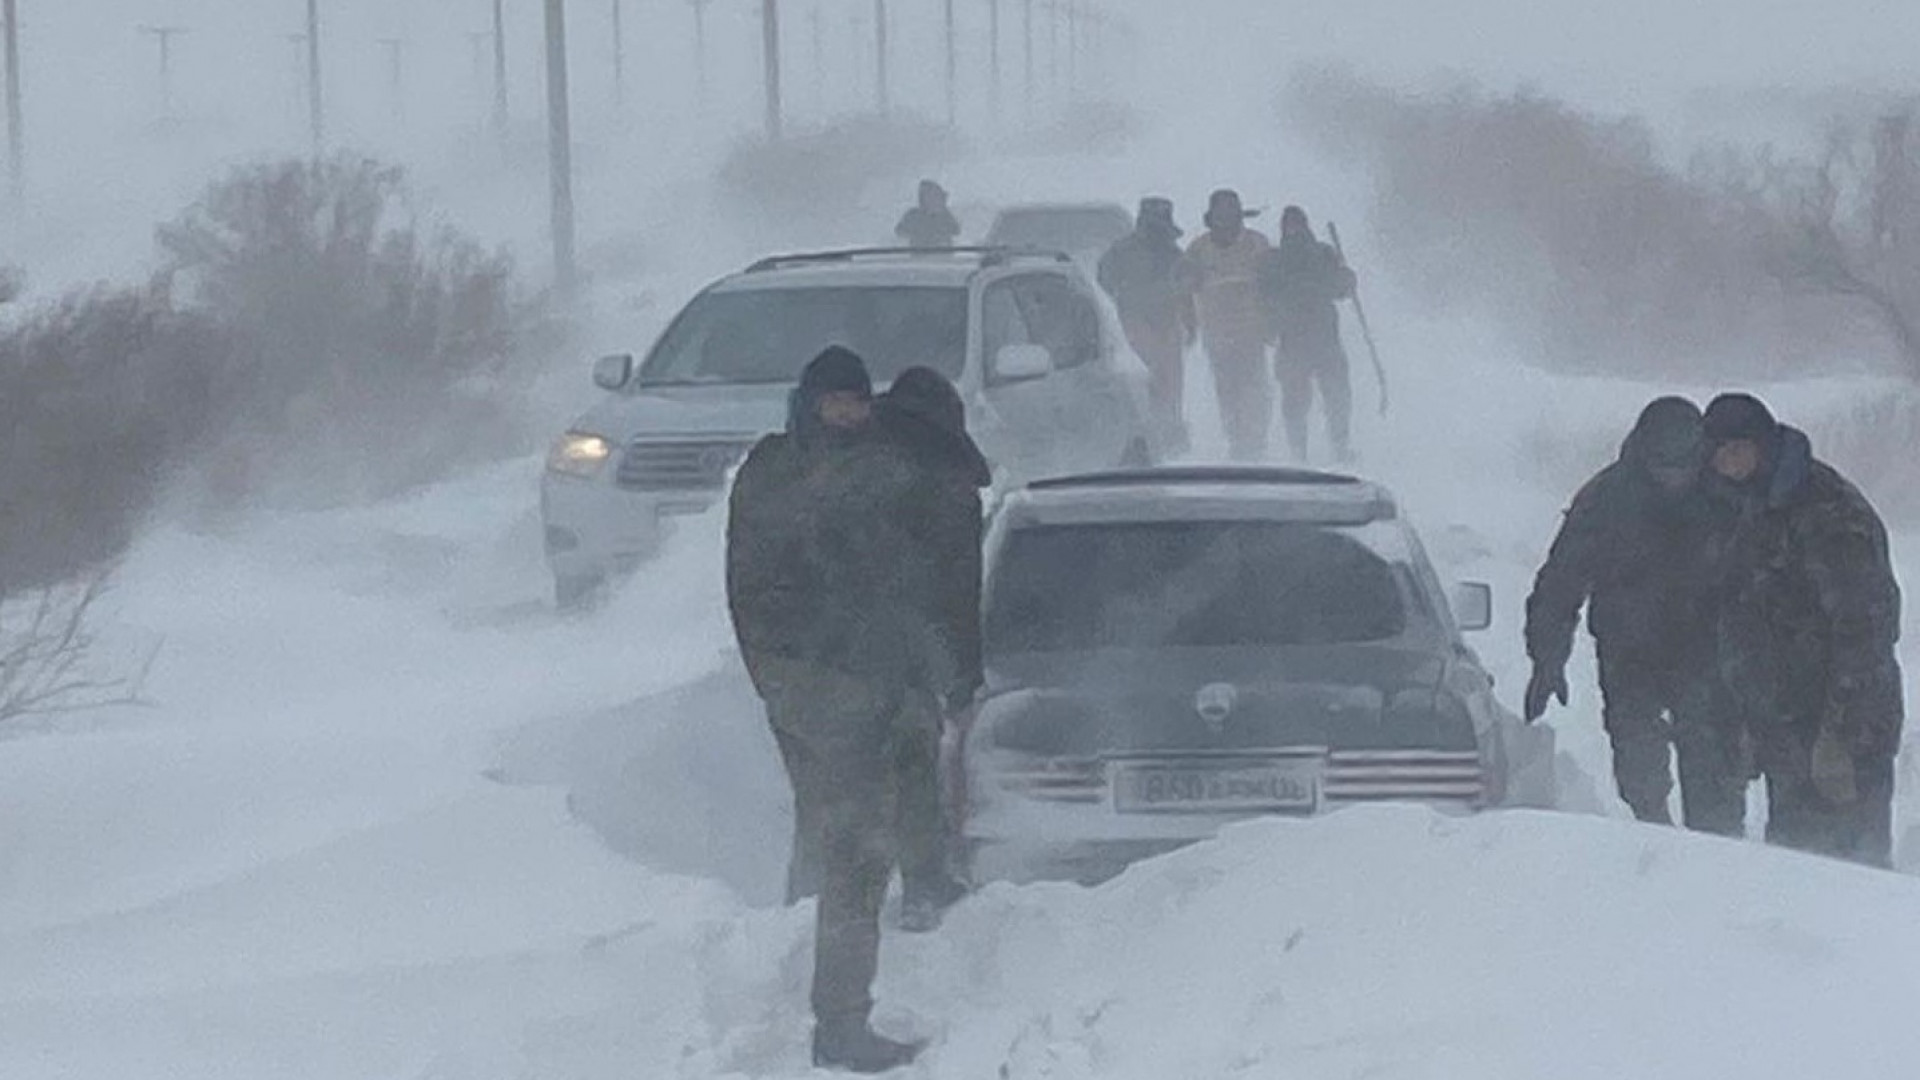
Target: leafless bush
373	352
101	395
48	660
1572	229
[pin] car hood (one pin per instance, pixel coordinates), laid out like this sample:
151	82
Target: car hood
1376	696
733	409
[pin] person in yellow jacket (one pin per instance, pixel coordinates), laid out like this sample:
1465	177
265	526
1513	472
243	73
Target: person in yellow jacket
1221	271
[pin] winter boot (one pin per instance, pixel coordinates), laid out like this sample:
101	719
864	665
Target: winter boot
854	1047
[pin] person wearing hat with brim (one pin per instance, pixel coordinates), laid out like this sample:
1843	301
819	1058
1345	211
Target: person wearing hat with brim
1221	272
1809	615
1140	273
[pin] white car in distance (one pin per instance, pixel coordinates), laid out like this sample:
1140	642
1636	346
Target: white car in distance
1049	383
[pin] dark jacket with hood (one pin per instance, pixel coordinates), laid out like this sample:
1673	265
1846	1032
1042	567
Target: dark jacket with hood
1636	556
1810	609
821	555
1139	272
1304	279
925	417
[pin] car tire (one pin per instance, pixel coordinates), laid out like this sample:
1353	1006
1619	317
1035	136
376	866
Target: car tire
577	592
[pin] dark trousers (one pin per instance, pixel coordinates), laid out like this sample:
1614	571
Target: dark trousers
1799	817
1160	345
1655	712
1300	375
835	733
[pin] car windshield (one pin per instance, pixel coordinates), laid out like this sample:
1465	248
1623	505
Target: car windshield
1130	586
768	335
1074	231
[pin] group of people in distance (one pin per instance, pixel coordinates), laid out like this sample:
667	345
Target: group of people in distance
1241	297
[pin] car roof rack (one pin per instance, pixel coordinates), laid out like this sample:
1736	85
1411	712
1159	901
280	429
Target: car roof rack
1198	474
987	256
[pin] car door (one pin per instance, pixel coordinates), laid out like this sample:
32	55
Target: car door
1018	422
1078	417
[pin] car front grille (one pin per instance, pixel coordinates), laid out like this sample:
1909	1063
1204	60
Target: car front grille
693	464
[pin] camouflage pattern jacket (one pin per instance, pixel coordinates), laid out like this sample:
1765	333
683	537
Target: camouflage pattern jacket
1810	610
826	559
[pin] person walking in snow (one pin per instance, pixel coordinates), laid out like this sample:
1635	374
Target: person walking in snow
924	415
1809	615
1635	551
1140	273
929	223
1304	280
1220	273
823	573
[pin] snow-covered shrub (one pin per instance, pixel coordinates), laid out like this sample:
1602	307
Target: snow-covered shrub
101	395
1576	233
375	351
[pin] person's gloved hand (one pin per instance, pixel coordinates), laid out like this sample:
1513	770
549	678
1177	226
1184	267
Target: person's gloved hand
1548	681
1832	768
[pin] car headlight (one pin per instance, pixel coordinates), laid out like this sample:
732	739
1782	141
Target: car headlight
579	454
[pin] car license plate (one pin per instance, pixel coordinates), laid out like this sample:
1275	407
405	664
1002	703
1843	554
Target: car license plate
1210	788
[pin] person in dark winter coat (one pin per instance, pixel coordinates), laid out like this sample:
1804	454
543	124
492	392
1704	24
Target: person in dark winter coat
924	414
929	224
1634	550
1304	281
822	566
1139	273
1809	619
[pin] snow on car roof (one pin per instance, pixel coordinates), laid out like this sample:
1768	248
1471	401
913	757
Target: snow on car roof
1189	494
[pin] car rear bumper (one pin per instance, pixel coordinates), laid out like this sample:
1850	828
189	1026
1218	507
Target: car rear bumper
1085	837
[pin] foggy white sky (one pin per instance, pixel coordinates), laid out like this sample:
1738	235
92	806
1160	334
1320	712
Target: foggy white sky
1207	68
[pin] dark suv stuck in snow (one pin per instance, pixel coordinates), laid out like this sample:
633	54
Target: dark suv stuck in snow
1169	650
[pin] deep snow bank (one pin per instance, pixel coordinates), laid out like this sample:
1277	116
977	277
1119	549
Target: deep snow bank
1379	942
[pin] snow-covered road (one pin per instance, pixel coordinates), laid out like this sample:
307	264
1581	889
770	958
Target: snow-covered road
391	818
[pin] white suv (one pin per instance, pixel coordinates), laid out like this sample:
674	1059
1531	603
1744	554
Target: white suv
1049	383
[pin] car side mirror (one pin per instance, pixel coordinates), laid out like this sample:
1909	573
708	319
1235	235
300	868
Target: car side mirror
1022	363
1472	605
613	372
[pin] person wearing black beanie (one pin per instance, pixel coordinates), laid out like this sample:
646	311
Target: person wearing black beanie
825	587
1809	614
1634	550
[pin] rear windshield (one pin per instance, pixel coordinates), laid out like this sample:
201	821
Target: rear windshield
768	335
1072	231
1084	587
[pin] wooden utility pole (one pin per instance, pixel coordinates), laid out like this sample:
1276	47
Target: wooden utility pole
16	141
499	70
1027	84
953	70
560	150
1073	47
883	95
619	58
316	109
817	25
993	59
770	60
396	49
700	48
164	35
